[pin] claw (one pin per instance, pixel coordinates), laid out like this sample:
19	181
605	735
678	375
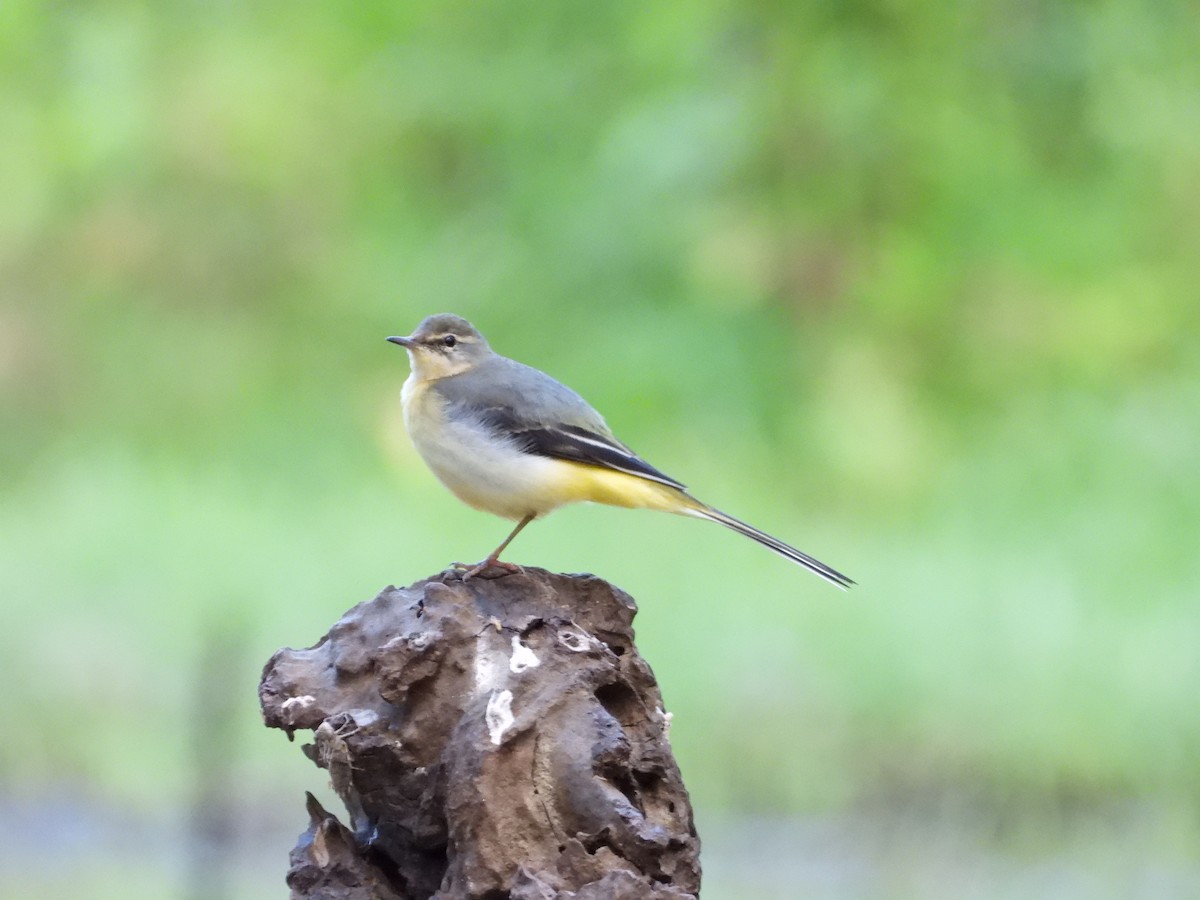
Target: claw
494	558
473	569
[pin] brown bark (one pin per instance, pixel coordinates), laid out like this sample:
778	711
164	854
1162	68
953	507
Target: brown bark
499	738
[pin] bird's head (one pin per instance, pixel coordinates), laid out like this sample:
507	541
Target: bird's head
443	345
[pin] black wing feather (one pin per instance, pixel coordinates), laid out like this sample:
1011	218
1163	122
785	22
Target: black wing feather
574	443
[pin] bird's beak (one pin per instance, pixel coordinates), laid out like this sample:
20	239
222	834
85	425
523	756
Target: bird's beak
406	342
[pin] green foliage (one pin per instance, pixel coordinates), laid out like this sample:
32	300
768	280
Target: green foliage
912	287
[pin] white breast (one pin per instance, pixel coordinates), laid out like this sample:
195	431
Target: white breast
482	470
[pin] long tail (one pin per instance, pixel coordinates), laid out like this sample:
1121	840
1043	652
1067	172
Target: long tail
833	576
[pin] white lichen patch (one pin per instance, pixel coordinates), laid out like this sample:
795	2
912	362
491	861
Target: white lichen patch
499	716
667	718
293	706
522	657
363	718
575	641
488	664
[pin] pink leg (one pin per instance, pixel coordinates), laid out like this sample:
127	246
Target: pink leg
493	559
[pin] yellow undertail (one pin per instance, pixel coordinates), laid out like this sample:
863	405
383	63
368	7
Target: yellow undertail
586	482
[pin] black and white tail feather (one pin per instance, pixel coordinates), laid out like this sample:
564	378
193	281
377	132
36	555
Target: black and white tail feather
830	574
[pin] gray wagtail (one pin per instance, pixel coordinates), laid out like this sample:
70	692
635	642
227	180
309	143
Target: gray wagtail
512	441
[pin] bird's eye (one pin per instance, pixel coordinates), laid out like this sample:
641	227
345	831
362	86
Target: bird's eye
449	340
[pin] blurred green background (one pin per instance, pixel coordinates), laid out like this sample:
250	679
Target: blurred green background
914	287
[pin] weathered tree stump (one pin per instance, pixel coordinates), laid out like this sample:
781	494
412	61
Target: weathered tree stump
499	738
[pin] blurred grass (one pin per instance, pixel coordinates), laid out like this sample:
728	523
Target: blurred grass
914	289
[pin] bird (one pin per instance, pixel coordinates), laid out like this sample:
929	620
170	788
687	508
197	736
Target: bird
510	440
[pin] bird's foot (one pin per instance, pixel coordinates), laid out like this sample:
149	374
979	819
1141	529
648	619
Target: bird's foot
473	569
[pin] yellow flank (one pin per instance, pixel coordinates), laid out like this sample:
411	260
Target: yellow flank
581	481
